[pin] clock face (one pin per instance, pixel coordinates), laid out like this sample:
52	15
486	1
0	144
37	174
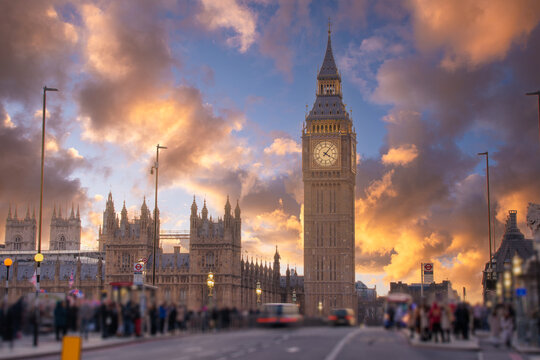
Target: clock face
325	153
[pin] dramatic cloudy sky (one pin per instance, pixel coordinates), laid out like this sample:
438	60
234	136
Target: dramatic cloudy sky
224	85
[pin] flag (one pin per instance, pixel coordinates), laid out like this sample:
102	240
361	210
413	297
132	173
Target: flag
33	279
71	280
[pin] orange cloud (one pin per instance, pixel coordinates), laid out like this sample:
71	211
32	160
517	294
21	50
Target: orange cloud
401	155
473	32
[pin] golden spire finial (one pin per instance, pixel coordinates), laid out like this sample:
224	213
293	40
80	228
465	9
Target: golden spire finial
329	26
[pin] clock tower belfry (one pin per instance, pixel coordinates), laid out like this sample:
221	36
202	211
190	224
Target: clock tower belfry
329	175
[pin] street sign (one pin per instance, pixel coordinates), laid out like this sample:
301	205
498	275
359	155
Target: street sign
428	273
138	279
521	291
138	267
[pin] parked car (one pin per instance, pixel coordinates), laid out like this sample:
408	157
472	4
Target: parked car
342	317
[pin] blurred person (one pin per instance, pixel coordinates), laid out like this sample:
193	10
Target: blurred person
60	319
424	323
86	313
172	319
507	327
446	322
181	318
462	321
495	325
7	323
153	314
162	317
477	318
411	321
435	321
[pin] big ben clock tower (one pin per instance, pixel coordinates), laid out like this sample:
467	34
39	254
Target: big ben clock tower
329	172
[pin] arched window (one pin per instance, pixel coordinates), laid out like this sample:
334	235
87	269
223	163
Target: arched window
62	243
210	259
17	244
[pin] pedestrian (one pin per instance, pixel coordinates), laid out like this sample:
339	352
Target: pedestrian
60	319
180	318
154	318
424	323
446	321
435	321
7	324
86	314
172	319
507	327
162	317
462	321
411	320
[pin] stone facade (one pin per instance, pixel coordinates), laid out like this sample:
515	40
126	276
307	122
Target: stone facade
20	233
329	175
65	232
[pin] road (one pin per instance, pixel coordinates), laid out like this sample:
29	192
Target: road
324	343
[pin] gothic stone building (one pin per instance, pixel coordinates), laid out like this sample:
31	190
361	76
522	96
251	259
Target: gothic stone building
329	175
215	246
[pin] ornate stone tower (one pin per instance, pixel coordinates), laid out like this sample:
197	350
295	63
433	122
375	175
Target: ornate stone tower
215	246
21	233
65	233
329	175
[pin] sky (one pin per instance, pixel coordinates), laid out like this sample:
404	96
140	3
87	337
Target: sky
224	86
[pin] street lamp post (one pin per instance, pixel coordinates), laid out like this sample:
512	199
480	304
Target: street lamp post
488	209
210	282
45	89
7	262
536	93
155	167
38	258
258	291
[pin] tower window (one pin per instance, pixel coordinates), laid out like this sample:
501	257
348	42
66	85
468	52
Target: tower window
62	243
17	244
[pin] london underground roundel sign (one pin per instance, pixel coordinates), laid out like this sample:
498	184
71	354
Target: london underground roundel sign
138	267
428	267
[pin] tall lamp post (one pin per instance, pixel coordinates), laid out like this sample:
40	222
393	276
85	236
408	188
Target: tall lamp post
39	255
258	291
7	262
536	93
210	282
155	167
489	211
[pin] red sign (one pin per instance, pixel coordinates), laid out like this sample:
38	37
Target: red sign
138	267
428	267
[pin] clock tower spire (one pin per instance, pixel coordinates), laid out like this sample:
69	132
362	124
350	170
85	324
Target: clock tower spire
329	176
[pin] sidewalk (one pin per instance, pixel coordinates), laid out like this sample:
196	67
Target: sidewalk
23	348
471	345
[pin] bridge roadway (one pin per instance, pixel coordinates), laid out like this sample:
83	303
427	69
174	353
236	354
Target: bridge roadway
314	343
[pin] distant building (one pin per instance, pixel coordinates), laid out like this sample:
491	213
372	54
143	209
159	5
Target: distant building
20	233
440	292
364	293
513	243
65	232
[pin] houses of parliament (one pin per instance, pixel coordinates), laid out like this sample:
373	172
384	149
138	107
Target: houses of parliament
329	170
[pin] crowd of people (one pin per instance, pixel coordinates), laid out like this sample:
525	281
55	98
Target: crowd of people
444	322
113	319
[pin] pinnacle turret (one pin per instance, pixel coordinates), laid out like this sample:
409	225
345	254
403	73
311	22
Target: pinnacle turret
227	206
204	211
194	207
9	212
72	215
237	210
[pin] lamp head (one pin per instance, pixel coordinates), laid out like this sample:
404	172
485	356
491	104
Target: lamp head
38	257
484	153
49	89
8	262
533	93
